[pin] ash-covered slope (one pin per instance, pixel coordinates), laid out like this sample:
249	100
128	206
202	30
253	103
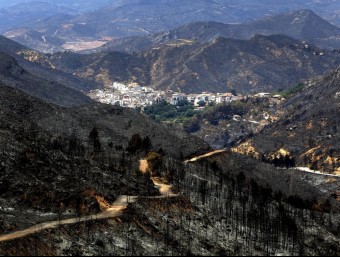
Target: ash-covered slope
37	73
55	166
57	159
13	75
116	125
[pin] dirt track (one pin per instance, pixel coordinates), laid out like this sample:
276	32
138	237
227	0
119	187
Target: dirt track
195	159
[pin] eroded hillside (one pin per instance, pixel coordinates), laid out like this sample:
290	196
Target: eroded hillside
307	134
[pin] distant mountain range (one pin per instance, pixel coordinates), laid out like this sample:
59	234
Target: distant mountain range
73	28
26	14
262	63
302	25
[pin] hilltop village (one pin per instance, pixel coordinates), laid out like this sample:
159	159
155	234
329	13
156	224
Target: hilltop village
133	95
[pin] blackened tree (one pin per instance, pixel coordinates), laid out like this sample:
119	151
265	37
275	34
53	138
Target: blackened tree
94	139
135	144
146	144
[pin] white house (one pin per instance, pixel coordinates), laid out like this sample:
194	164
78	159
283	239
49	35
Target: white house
199	99
119	86
147	89
207	97
263	95
191	98
127	100
176	98
223	98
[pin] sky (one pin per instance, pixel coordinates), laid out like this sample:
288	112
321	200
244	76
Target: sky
7	3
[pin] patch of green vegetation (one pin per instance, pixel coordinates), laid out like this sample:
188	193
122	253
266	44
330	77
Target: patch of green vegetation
292	91
214	114
165	112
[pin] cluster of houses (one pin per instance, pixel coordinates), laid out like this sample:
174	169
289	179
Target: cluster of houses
133	95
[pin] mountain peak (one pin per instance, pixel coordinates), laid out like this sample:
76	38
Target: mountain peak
306	16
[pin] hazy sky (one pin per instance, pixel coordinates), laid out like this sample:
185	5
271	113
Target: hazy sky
75	4
5	3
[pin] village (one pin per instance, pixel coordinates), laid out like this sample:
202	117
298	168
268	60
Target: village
133	95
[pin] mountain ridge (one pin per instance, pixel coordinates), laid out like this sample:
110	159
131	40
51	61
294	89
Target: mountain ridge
266	63
87	31
302	25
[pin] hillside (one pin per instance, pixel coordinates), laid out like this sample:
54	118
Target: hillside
259	64
40	77
70	165
307	134
52	170
36	40
13	75
225	125
10	46
116	125
49	157
44	141
49	163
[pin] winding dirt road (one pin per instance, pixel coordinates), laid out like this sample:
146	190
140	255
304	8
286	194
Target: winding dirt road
115	210
118	207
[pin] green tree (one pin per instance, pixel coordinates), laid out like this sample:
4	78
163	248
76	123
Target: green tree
201	103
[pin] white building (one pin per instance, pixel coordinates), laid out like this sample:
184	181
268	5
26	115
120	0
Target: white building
119	87
192	98
177	98
224	98
263	95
